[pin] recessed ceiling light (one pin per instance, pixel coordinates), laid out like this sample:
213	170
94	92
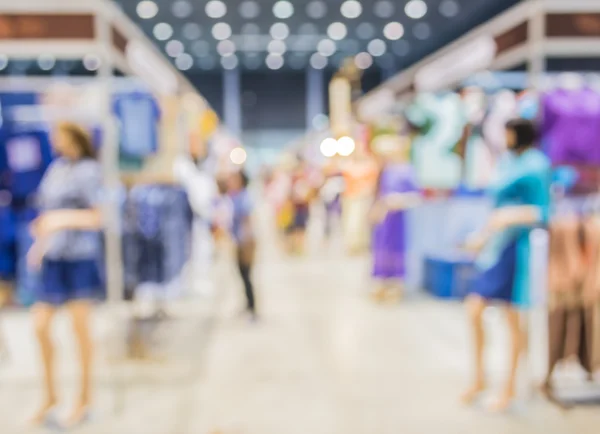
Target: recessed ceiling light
207	62
249	9
393	31
449	8
283	9
365	30
162	31
349	46
200	48
215	9
184	62
274	61
250	29
422	31
91	62
174	48
226	48
316	9
351	9
337	31
46	62
191	31
318	62
252	61
221	31
229	62
416	9
401	48
308	29
277	47
280	31
326	47
384	9
363	60
297	61
182	9
147	9
377	47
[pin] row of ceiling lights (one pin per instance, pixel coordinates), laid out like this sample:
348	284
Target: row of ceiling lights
283	9
47	62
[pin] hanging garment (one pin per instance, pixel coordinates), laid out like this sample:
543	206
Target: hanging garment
566	260
138	115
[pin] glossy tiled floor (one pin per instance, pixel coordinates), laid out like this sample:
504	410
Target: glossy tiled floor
322	360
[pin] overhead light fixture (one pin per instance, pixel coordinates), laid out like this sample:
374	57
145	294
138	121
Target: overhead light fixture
351	9
146	9
297	61
365	30
277	47
274	61
283	9
174	48
92	62
151	68
393	31
207	62
280	31
337	31
221	31
316	9
416	9
329	147
363	60
308	29
349	46
384	9
229	62
326	47
465	61
162	31
345	146
238	156
46	62
318	62
377	47
252	61
191	31
184	62
182	9
200	48
422	31
449	8
250	29
226	48
215	9
249	9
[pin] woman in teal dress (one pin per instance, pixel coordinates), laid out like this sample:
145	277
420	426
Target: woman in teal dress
521	194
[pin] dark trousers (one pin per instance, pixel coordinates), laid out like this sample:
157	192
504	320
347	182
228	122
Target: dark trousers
245	268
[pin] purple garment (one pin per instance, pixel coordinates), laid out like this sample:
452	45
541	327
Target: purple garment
389	238
571	126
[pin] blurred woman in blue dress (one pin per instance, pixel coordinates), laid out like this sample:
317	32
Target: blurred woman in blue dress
521	195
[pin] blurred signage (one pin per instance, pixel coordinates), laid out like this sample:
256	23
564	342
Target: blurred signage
512	38
28	26
340	106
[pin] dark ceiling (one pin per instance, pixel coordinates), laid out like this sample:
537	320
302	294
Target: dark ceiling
205	35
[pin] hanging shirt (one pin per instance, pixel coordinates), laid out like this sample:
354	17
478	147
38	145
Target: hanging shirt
27	155
139	115
72	185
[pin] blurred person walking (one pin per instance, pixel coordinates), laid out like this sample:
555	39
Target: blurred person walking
243	234
396	193
521	193
66	249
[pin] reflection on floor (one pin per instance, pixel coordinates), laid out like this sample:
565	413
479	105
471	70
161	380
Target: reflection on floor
322	360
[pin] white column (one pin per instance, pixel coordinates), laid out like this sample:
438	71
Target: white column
232	101
315	95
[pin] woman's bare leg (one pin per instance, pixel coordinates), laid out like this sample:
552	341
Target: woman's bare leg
475	308
80	312
42	317
517	342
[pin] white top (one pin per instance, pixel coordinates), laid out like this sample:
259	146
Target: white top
199	185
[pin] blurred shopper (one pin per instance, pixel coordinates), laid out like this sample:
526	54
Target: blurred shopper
243	235
521	194
66	248
331	192
360	175
302	191
396	192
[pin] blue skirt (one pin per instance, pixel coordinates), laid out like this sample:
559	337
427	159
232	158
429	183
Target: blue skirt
66	281
497	283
